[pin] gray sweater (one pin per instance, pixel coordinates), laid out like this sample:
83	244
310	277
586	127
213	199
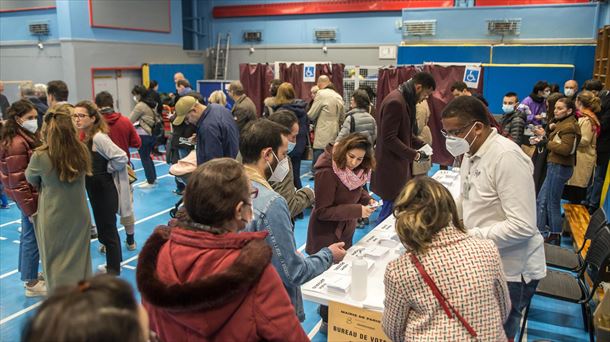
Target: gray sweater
363	123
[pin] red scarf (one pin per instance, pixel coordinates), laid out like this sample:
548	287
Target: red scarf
595	127
352	180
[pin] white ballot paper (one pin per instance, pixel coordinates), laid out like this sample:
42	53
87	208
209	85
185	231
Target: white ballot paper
427	149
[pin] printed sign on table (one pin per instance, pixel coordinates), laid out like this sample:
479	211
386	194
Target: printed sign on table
472	75
309	72
349	323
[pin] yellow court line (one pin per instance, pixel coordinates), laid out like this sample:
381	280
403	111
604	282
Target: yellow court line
530	65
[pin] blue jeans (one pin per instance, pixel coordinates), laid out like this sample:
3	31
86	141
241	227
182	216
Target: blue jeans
180	185
386	210
148	142
594	193
520	296
28	251
3	198
548	203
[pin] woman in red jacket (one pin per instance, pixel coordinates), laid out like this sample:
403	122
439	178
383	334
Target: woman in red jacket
202	280
17	142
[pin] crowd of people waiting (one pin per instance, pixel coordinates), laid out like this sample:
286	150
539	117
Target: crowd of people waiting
227	267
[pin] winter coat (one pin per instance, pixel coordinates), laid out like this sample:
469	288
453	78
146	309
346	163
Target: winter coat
563	140
586	156
297	199
327	115
217	134
198	286
513	124
475	286
362	122
143	114
337	208
14	160
122	132
396	145
298	108
244	111
422	113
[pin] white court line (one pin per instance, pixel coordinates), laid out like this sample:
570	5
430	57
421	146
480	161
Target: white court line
9	223
140	183
16	241
129	260
307	174
142	220
129	267
2	238
315	330
301	249
19	313
8	274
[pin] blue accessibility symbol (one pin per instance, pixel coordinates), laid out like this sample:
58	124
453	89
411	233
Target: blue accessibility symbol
310	71
472	75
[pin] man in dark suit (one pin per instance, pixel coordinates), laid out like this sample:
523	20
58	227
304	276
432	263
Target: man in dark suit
397	141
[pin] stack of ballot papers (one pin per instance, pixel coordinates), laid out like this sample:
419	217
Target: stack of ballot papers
338	283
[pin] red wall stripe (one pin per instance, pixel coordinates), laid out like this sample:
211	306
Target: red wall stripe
327	7
526	2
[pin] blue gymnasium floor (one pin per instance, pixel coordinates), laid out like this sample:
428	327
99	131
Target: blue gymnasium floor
548	319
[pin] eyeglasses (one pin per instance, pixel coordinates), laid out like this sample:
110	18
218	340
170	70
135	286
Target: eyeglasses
79	116
456	132
253	193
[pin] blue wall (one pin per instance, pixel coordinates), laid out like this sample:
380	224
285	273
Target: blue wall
537	22
14	25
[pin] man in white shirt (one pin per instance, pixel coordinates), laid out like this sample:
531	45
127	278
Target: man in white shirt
497	198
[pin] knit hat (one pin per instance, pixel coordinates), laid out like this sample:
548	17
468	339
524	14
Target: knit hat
184	105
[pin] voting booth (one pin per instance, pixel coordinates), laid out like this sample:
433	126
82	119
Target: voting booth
350	319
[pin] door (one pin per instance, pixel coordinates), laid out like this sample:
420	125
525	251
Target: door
118	83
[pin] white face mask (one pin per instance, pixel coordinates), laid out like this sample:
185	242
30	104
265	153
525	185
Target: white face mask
568	91
30	125
281	170
508	108
458	146
291	146
135	99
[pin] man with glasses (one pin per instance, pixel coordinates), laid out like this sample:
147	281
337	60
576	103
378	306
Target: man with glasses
497	198
264	147
397	141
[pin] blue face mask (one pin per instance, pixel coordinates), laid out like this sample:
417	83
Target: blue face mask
508	108
291	146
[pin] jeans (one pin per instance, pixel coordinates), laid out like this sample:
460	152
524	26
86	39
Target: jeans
520	296
386	210
317	152
594	193
28	251
3	198
548	203
182	152
148	142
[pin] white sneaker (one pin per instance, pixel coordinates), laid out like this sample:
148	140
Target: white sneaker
38	290
147	185
102	268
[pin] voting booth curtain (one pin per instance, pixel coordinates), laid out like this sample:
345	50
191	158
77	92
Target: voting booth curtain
256	79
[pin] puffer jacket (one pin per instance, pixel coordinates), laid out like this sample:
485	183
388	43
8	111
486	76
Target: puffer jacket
513	124
363	122
14	159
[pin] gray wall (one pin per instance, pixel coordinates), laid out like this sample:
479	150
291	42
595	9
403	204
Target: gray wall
346	54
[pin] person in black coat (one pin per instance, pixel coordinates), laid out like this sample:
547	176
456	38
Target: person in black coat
286	99
29	92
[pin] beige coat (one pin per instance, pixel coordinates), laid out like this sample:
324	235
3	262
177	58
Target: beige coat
422	112
585	154
327	114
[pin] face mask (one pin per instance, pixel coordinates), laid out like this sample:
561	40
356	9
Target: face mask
458	146
281	170
291	146
135	99
30	125
568	91
508	108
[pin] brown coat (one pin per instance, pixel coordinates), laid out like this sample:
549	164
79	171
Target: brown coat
244	111
14	159
396	147
563	140
586	154
337	209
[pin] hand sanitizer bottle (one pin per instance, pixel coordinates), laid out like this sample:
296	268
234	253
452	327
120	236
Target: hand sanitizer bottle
359	279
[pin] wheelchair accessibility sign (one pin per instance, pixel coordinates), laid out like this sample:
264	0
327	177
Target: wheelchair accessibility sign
472	75
309	72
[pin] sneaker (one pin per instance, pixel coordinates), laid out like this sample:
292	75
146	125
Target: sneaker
131	247
40	276
102	268
147	185
178	192
37	290
102	249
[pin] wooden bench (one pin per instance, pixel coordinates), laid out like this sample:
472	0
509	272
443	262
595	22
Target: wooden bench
577	220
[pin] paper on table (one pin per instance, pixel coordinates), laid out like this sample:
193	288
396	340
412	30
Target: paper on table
338	283
427	149
345	267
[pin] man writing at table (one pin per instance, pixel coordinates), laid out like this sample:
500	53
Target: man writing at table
497	198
